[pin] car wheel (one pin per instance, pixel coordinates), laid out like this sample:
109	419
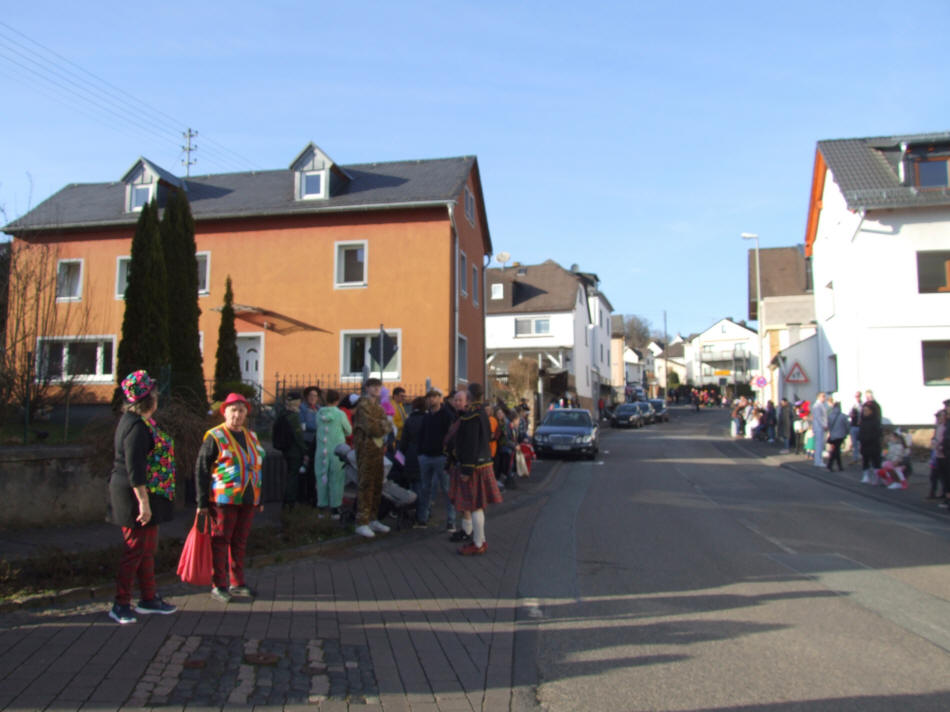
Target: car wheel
592	456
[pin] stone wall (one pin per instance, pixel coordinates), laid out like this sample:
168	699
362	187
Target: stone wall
46	486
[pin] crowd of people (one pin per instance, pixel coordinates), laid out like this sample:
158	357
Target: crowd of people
462	449
821	428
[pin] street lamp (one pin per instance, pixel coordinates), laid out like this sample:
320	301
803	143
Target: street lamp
758	304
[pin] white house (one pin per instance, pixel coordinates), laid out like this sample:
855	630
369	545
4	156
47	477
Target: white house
878	236
724	354
556	317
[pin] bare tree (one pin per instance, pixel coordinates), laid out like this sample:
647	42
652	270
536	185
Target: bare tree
637	331
35	328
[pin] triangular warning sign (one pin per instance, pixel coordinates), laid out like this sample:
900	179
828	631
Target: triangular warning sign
796	374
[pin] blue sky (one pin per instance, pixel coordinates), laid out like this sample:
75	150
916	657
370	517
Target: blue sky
635	140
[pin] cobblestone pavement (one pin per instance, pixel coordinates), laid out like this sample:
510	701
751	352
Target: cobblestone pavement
397	623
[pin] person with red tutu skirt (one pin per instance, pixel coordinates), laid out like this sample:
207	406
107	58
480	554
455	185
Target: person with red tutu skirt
473	485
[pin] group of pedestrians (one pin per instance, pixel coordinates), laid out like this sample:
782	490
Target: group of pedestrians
821	428
457	448
142	493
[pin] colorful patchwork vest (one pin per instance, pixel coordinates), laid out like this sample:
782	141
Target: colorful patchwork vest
160	466
235	467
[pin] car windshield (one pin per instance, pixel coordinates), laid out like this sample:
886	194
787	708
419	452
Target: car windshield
571	419
624	409
656	403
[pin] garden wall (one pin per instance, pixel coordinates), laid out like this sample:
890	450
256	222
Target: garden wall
46	486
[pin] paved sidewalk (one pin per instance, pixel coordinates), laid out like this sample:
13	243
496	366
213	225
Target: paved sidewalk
914	498
398	623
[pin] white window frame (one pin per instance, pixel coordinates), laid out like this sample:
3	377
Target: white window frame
302	182
207	255
470	206
120	293
462	372
475	285
98	377
78	296
149	187
348	377
337	247
463	273
534	333
497	290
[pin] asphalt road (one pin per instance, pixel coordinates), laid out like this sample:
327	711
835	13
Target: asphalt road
678	573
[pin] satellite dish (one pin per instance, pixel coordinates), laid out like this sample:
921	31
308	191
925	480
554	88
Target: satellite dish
502	258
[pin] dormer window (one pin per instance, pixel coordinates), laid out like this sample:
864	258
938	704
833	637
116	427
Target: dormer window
312	185
145	182
316	176
140	195
931	173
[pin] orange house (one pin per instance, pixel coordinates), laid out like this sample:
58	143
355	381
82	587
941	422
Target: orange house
320	256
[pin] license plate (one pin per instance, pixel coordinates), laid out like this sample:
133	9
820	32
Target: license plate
562	447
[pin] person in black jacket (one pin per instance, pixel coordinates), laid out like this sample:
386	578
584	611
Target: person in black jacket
869	435
432	474
409	441
141	491
473	484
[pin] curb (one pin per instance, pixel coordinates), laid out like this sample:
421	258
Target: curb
104	591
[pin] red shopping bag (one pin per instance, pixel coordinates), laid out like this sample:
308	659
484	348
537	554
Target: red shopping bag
194	566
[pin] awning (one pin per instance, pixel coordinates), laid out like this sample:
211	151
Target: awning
270	320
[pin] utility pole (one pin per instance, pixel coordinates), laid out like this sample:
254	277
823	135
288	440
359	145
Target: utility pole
666	359
188	149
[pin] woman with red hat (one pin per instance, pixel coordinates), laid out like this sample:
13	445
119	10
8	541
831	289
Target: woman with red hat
141	491
228	483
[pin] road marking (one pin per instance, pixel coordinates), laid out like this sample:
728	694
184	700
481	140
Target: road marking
755	530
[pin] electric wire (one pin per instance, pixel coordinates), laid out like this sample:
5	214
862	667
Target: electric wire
104	97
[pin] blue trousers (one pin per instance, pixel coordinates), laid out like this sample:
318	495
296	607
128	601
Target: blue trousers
432	478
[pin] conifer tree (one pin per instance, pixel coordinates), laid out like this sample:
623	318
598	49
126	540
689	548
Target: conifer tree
227	367
144	341
181	265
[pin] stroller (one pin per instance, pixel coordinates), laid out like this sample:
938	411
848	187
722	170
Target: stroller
396	500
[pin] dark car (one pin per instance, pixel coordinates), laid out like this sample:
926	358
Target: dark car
659	407
567	431
626	415
647	414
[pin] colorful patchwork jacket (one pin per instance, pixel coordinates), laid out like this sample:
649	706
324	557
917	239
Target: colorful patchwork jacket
235	467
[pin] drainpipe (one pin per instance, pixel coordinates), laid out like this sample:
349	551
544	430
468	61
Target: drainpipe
453	348
484	306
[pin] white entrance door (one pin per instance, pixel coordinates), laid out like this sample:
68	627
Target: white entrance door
250	352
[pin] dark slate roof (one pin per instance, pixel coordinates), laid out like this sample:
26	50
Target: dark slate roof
260	193
529	289
867	171
784	274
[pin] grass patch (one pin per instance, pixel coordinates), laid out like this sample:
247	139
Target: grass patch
54	570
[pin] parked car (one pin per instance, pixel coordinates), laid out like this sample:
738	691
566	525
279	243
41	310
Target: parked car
626	415
647	414
659	406
567	431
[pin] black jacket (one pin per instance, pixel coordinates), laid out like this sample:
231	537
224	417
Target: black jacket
435	426
133	442
473	440
410	439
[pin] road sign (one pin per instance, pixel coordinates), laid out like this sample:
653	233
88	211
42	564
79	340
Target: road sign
725	372
761	382
796	374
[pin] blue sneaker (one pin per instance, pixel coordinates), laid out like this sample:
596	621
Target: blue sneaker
156	605
122	614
